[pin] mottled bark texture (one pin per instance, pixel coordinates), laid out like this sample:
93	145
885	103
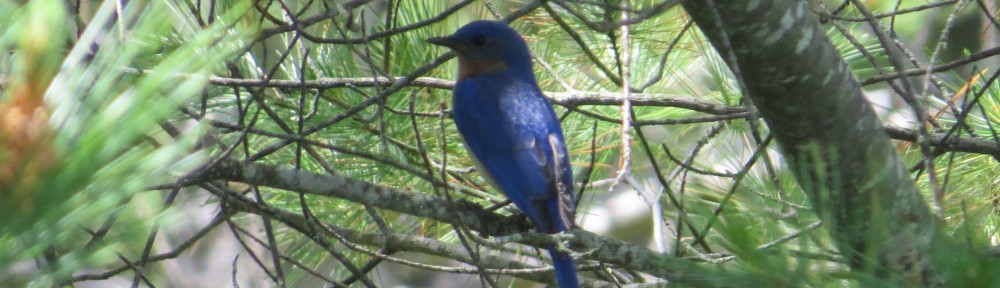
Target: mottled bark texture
814	107
606	250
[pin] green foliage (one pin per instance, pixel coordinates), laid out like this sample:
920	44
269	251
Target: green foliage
103	115
108	110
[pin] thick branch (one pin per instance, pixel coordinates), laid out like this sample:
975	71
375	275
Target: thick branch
605	250
838	147
423	205
397	242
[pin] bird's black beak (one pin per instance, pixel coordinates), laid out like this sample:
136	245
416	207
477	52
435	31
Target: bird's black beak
446	41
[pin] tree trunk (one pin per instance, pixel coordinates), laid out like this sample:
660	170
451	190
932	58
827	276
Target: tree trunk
835	143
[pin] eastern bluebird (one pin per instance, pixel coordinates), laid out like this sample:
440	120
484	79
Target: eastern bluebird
511	129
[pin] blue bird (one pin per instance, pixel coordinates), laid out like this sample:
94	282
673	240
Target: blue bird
512	131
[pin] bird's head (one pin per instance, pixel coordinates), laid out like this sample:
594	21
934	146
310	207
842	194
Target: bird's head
485	47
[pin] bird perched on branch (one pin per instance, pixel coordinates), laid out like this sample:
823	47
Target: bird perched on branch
512	131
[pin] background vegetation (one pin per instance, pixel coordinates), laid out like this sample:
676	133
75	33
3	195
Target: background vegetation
308	143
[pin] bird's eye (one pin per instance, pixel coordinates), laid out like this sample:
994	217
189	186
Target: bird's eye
479	40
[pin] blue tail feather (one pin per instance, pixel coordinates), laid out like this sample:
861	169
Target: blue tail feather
565	269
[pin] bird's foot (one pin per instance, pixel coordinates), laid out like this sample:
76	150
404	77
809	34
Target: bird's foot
563	245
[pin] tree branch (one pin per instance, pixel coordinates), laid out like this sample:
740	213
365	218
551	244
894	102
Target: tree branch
610	251
418	204
835	142
583	98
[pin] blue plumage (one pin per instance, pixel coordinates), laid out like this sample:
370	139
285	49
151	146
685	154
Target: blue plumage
511	129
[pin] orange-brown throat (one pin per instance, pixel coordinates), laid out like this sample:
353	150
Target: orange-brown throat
467	68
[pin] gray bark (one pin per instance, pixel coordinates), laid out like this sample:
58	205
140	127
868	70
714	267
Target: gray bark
815	109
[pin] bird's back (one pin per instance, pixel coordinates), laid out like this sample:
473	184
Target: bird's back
510	128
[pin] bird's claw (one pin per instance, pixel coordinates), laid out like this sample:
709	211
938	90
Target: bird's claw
563	245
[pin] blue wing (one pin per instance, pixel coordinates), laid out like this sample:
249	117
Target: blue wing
513	132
